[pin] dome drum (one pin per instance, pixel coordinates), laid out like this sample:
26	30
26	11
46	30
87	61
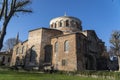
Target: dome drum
66	23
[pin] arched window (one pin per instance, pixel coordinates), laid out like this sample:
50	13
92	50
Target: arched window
72	23
51	25
33	55
33	48
3	60
56	47
17	50
77	24
67	23
55	25
8	59
66	46
23	50
60	24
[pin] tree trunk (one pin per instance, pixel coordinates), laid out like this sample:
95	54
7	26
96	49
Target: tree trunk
119	63
2	35
3	32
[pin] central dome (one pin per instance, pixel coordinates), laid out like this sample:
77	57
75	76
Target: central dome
66	24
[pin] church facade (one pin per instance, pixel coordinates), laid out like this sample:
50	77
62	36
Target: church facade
64	45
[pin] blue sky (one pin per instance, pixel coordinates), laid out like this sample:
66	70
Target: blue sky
103	16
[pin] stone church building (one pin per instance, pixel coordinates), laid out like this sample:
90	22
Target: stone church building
64	45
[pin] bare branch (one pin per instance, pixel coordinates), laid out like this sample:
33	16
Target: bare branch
14	3
6	8
2	10
22	10
22	4
11	5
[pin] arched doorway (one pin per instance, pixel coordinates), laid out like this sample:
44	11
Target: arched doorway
33	56
90	62
18	63
48	54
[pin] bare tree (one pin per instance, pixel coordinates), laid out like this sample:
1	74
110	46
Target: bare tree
9	44
115	41
9	8
111	52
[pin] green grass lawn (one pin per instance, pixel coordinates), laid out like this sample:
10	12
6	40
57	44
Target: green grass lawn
13	75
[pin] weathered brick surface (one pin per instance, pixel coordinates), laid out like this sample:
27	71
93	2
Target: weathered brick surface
20	54
46	40
69	56
38	38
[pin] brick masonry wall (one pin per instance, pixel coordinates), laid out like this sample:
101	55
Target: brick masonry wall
34	39
70	56
20	53
81	51
46	40
40	38
73	59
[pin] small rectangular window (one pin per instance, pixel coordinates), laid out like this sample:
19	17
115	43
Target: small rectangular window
64	62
